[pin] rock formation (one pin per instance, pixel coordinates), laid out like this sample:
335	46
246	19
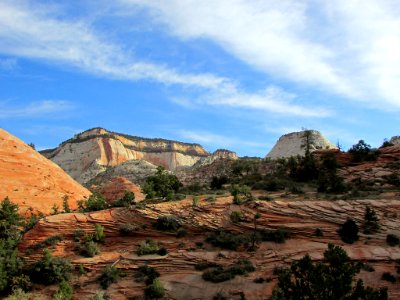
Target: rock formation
395	140
31	180
178	274
93	151
295	143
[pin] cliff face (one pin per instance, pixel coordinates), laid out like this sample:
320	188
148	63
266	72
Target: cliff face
31	180
93	151
293	144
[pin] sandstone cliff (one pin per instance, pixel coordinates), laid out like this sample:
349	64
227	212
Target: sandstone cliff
293	144
31	180
93	151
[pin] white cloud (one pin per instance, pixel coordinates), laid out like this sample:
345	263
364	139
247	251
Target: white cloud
31	31
272	99
216	140
347	47
34	31
34	109
8	64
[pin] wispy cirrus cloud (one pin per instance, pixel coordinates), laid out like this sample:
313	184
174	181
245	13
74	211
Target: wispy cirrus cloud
217	140
8	64
32	31
272	99
35	32
345	47
35	109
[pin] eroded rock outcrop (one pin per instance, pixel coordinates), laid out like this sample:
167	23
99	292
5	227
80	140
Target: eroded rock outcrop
31	180
94	151
295	143
178	275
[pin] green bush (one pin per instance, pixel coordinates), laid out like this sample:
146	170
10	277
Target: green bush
278	236
205	265
162	184
371	221
363	152
147	247
127	229
146	274
241	194
349	232
236	216
110	275
392	240
330	279
155	290
387	276
167	223
50	270
125	201
64	291
90	249
227	240
98	235
50	241
319	232
181	232
220	274
95	202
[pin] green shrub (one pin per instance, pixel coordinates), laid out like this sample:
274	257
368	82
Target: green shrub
278	236
392	240
363	152
110	275
319	232
50	270
167	223
146	274
179	197
98	235
181	232
387	276
220	274
241	194
371	221
227	240
147	247
100	295
125	201
349	232
162	184
205	265
50	241
64	291
332	278
90	249
127	229
95	202
236	216
266	198
210	199
218	182
155	290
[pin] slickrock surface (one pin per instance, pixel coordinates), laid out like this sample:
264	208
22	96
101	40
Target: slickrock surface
93	151
31	180
293	144
177	271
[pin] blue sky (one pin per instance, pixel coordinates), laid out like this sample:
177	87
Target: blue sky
232	74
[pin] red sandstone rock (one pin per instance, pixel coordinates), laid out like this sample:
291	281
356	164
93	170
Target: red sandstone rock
31	180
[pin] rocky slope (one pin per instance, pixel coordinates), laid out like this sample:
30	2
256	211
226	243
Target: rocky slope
178	274
93	151
31	180
293	144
